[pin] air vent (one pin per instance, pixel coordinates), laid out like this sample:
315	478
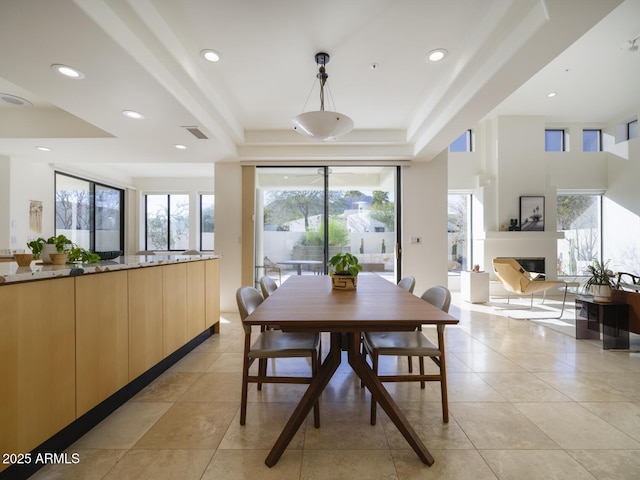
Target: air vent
196	132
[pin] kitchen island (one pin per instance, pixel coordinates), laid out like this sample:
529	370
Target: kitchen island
77	341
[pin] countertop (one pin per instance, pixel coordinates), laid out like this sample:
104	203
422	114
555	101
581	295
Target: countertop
10	272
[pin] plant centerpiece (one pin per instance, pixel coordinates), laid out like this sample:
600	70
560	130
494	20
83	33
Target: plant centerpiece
600	282
344	270
42	249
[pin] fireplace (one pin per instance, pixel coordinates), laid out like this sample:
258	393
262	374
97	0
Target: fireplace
531	264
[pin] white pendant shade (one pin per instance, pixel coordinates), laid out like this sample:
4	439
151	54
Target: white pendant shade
322	125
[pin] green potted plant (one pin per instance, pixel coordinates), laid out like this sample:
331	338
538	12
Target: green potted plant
600	282
42	248
344	270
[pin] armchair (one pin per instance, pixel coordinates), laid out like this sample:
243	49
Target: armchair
516	280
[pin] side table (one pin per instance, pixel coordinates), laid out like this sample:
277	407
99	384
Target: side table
611	318
474	286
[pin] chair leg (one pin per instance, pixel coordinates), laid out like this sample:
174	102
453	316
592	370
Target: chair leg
374	362
410	364
245	387
314	372
262	370
422	382
443	376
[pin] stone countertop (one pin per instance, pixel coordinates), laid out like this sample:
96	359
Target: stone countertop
10	272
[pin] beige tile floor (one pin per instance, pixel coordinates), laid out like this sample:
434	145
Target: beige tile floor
526	402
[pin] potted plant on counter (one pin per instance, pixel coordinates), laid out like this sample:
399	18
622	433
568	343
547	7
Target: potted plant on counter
344	270
600	282
62	249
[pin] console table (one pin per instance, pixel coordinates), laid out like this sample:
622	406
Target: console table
611	319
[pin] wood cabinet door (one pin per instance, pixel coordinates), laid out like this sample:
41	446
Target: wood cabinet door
102	331
195	299
37	355
145	319
212	294
174	307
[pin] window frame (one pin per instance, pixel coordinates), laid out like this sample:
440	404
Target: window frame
563	139
146	220
468	134
92	207
599	139
200	224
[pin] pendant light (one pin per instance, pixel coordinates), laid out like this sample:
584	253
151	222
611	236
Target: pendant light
322	125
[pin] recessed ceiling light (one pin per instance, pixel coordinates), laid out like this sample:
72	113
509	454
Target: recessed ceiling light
436	55
132	114
211	55
374	66
68	71
14	100
180	147
552	94
43	149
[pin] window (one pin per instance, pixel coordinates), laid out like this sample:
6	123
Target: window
591	140
89	214
206	222
554	140
459	232
167	222
632	129
462	143
580	218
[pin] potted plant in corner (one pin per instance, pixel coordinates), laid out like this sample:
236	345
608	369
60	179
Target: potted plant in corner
344	270
600	282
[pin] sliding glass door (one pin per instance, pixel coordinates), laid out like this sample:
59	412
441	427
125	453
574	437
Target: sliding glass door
304	215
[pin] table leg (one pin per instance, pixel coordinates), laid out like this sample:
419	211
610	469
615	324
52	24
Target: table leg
308	400
299	269
382	397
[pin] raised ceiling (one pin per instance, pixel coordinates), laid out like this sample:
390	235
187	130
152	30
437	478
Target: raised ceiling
144	55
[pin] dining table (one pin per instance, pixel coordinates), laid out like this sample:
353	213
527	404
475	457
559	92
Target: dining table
308	303
300	263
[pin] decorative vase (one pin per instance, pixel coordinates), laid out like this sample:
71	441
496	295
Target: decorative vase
47	249
601	293
344	282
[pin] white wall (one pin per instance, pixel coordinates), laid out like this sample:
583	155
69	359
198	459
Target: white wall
30	181
424	215
5	202
228	215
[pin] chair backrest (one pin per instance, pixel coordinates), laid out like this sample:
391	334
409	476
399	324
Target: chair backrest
438	297
268	285
407	283
248	299
513	277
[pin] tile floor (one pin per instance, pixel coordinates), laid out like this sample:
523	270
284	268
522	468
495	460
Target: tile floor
526	402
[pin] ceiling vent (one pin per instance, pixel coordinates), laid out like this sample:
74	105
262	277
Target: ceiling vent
196	132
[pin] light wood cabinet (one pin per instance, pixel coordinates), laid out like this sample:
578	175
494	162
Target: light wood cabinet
67	344
145	319
102	331
212	294
195	299
174	307
37	355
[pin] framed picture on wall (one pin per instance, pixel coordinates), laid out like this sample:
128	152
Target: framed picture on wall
532	214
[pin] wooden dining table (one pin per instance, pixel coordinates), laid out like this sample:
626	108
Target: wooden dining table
307	303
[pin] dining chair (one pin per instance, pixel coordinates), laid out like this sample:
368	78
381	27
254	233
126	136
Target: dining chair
413	344
268	285
407	283
273	344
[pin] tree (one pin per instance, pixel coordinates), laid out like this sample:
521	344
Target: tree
383	210
285	206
